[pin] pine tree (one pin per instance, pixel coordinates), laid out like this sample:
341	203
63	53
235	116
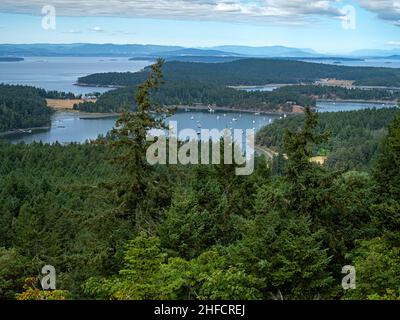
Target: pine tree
306	179
138	186
387	175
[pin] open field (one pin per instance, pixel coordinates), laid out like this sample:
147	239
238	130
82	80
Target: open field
65	104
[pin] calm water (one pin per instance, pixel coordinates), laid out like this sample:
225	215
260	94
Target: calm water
266	88
385	63
62	73
350	106
68	127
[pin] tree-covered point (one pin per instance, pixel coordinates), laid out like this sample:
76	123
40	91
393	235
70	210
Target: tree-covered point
253	72
22	107
354	136
192	93
58	94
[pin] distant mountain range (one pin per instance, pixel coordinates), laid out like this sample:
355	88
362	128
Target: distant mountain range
219	53
271	51
376	53
82	49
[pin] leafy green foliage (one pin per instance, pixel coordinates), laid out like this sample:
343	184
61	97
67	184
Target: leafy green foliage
149	275
22	107
354	138
377	266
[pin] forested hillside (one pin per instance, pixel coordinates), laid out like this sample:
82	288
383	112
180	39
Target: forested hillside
192	93
354	139
253	72
22	107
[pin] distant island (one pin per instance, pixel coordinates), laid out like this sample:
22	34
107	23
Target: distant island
11	59
253	72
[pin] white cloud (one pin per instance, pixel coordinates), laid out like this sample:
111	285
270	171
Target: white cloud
388	10
287	11
394	43
96	29
73	31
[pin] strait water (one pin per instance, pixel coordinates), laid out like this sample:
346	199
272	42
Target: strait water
61	73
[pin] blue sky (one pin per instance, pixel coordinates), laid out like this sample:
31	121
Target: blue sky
315	24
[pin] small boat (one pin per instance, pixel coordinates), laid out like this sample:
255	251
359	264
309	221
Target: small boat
61	126
257	114
199	125
254	121
224	114
234	119
217	117
191	118
199	132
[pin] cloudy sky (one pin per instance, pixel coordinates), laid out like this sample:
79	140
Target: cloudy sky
334	26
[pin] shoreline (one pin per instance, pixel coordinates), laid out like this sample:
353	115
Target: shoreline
23	131
94	116
358	101
88	85
230	109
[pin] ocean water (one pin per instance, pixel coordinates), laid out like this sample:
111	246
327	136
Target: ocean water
384	62
61	73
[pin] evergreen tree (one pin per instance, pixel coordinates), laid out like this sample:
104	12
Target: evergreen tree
138	189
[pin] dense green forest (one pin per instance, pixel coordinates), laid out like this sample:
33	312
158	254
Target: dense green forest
192	93
22	107
341	93
253	72
115	227
354	139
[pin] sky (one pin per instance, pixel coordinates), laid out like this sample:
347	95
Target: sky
327	26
